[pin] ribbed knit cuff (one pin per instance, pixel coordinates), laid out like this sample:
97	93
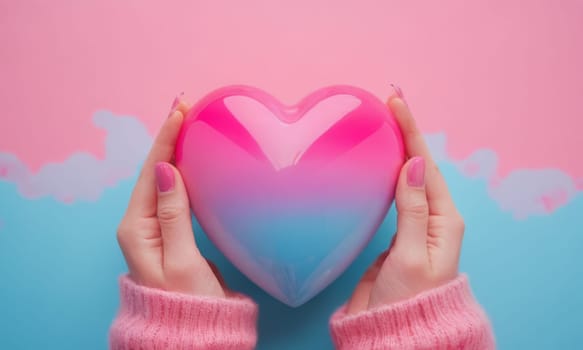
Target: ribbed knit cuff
156	319
447	317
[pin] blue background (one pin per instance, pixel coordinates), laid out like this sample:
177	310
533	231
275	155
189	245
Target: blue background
59	265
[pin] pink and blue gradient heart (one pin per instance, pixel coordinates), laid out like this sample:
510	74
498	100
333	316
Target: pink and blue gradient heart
290	194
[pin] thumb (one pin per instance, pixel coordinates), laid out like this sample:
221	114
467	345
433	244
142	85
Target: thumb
179	249
413	209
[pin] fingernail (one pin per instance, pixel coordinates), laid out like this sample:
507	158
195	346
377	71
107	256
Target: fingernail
397	92
416	172
164	177
176	102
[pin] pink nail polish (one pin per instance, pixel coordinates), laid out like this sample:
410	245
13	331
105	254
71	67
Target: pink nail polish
398	92
416	172
164	177
176	102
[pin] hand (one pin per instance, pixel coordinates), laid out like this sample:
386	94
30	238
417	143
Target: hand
155	234
425	251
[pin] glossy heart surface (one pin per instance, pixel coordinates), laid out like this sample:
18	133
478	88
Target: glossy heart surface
290	194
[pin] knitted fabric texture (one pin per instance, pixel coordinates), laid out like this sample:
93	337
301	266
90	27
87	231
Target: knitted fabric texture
155	319
447	317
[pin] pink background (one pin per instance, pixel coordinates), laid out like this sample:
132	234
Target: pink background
490	74
497	87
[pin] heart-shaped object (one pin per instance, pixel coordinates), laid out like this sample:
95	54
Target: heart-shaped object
290	195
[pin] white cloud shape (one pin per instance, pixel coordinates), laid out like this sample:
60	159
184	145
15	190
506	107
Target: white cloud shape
523	192
529	192
82	176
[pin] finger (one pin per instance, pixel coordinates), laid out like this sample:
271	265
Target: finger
412	209
143	199
179	104
141	255
178	246
218	274
360	297
392	244
440	201
445	242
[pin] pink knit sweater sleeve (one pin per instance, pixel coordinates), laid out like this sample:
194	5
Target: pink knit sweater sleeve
155	319
447	317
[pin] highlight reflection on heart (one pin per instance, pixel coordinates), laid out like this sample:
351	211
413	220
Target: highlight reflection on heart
290	195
